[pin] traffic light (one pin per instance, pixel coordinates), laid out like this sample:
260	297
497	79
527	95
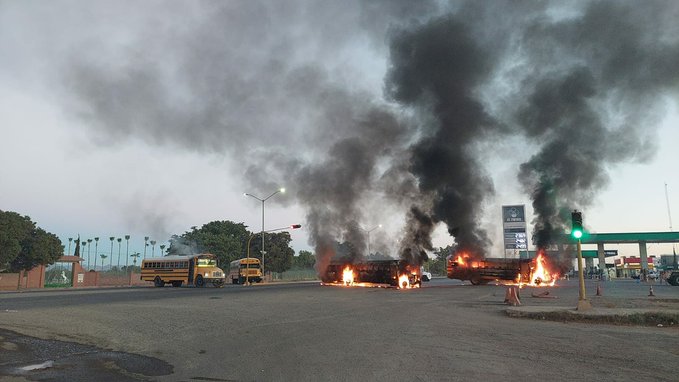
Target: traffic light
576	222
295	226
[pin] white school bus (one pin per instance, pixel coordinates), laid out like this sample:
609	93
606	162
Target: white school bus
198	270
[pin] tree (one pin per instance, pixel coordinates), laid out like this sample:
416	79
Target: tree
23	245
437	266
305	260
225	239
279	254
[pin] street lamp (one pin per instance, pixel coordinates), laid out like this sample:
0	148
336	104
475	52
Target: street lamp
247	263
281	190
370	230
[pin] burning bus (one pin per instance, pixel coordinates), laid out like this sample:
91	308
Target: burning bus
374	273
532	272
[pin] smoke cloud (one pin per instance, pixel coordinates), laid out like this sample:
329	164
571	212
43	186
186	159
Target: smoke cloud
387	105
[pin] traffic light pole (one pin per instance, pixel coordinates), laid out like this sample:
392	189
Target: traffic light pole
583	304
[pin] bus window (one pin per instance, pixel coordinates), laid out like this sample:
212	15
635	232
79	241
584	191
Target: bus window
207	262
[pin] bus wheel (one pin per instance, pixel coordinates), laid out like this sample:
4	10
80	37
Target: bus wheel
158	282
234	281
241	280
176	284
199	281
218	283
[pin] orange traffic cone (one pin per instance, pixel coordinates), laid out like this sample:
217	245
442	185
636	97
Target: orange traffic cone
598	289
513	298
650	292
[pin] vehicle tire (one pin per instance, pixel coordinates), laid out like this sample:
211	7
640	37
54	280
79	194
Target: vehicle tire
218	283
673	280
425	278
200	282
475	280
176	284
234	281
158	282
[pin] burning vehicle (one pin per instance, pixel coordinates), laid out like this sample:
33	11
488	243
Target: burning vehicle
375	273
531	272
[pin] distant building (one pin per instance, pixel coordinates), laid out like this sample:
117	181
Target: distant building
626	267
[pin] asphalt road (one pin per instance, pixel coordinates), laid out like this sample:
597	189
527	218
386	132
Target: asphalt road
444	331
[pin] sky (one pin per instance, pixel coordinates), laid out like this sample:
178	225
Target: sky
145	119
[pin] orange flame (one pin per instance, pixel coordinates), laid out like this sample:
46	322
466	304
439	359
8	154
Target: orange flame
404	282
460	260
540	274
348	276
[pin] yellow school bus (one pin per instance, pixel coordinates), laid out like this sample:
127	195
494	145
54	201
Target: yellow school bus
239	270
197	270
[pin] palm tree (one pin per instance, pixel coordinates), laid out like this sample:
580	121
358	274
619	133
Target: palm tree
103	257
162	250
146	244
135	256
96	249
70	239
89	245
82	253
111	261
119	240
127	251
153	248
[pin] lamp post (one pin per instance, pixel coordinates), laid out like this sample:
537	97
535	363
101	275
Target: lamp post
247	263
282	190
96	249
370	230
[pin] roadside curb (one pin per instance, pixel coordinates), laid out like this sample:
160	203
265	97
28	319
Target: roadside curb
627	316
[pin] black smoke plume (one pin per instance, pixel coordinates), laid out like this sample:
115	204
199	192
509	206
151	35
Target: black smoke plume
435	69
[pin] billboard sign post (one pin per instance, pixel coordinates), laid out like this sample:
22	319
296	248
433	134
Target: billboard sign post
514	227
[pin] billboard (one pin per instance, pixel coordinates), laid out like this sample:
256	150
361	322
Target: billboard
514	227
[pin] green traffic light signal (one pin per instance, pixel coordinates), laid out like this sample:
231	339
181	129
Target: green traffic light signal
576	224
